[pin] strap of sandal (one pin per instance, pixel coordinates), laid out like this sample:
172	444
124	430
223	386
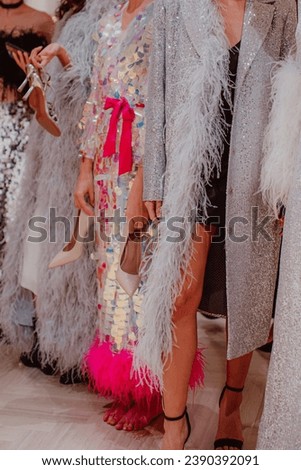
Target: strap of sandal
45	79
178	418
233	389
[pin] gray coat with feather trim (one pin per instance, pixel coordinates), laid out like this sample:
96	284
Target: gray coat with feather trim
66	297
189	69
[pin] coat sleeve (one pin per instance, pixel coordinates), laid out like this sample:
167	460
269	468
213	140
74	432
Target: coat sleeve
283	131
289	34
154	160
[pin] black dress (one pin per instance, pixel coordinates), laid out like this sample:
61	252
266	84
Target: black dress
214	298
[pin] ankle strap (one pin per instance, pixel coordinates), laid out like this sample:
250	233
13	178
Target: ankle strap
233	389
178	418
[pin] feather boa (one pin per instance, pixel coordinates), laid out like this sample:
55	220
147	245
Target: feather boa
111	375
194	151
283	135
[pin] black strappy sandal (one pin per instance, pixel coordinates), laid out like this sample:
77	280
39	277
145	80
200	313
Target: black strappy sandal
178	418
226	441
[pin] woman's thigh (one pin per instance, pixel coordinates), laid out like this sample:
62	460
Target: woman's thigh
192	289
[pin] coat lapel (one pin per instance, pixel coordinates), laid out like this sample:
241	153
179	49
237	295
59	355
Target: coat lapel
257	23
193	12
258	19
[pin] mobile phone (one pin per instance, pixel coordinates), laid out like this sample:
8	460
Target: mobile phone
13	48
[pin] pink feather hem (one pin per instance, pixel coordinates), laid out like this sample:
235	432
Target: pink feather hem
111	375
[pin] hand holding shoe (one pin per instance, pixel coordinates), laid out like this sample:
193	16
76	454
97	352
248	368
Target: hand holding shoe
85	187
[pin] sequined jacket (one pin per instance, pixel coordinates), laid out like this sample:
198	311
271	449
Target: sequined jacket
182	28
280	424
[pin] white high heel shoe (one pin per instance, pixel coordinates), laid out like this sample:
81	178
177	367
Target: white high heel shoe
74	249
127	274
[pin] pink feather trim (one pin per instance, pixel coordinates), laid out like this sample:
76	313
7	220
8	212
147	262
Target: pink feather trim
110	374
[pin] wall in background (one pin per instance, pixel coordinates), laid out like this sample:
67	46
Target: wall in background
44	5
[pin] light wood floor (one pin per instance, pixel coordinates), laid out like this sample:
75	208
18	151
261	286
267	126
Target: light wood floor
36	412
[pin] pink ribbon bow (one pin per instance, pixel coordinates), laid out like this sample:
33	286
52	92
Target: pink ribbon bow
120	107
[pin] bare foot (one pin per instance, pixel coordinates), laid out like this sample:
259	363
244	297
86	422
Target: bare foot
138	417
176	433
229	426
115	413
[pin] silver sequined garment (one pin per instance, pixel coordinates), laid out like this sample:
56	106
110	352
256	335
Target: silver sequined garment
182	31
280	426
14	118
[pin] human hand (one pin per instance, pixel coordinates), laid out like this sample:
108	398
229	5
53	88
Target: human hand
85	187
154	209
136	212
40	57
21	58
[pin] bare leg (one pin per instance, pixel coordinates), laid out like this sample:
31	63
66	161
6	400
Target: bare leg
229	416
229	425
178	369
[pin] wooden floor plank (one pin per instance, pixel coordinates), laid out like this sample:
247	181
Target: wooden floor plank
36	412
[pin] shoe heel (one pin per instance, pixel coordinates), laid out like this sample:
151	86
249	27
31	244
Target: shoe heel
226	441
29	71
28	93
23	85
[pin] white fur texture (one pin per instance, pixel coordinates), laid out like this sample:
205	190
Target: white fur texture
283	135
193	150
66	299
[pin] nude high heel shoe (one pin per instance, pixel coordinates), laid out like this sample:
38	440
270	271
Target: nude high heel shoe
127	274
37	100
74	249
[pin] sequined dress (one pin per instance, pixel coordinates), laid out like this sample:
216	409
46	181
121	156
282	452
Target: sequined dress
120	83
120	76
15	117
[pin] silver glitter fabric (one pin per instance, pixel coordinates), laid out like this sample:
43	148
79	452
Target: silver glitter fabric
280	426
252	245
120	72
252	261
14	118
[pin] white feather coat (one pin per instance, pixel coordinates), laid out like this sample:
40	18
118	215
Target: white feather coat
66	297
